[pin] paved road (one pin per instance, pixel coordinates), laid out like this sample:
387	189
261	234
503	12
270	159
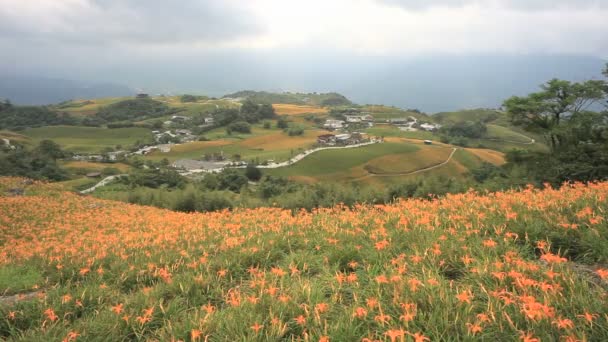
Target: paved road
103	182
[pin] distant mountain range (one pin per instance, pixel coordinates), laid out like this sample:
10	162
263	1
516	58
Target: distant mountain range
431	84
30	90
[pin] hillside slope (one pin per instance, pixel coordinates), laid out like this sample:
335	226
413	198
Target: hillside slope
466	266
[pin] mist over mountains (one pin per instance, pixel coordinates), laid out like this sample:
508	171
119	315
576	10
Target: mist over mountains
35	90
431	84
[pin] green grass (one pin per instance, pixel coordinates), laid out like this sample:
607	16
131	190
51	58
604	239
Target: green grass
393	131
15	279
78	108
503	262
388	112
341	160
89	139
485	115
507	134
467	159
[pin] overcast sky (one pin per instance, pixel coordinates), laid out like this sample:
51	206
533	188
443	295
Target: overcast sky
104	38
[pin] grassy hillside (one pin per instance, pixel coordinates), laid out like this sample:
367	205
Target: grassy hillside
90	107
352	164
262	144
312	99
290	109
89	139
484	115
14	137
466	267
388	112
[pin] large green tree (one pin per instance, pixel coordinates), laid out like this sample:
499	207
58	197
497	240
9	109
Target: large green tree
550	110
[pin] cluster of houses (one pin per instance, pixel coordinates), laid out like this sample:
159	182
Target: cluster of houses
181	119
109	156
178	135
341	139
334	124
187	166
411	124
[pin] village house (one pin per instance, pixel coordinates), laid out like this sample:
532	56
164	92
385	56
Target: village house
193	165
209	121
343	138
430	127
353	118
359	118
183	132
399	121
113	156
333	124
326	139
179	118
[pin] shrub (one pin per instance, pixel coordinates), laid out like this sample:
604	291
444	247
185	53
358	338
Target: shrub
239	126
295	131
253	173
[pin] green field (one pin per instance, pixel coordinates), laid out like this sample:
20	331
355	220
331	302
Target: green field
81	108
388	112
89	139
340	161
485	115
262	144
507	134
393	131
14	137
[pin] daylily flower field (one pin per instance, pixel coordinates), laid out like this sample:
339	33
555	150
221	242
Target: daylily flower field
525	265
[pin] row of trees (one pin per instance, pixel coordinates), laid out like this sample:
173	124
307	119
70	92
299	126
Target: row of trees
20	117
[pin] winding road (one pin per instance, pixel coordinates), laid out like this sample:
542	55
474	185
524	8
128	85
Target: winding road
103	182
369	175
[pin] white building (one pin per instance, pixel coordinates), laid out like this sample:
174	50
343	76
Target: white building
334	124
430	127
342	137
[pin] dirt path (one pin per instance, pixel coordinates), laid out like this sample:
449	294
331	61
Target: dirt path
10	300
369	175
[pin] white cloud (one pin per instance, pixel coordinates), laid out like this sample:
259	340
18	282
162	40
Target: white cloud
125	21
459	26
364	27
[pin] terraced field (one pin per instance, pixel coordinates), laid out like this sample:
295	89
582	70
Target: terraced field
261	144
346	164
289	109
89	139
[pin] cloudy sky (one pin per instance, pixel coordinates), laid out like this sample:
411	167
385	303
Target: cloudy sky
127	40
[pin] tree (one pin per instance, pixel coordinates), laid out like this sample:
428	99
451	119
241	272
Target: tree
239	126
225	116
548	110
253	173
50	149
231	179
294	131
266	111
188	98
282	123
467	129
